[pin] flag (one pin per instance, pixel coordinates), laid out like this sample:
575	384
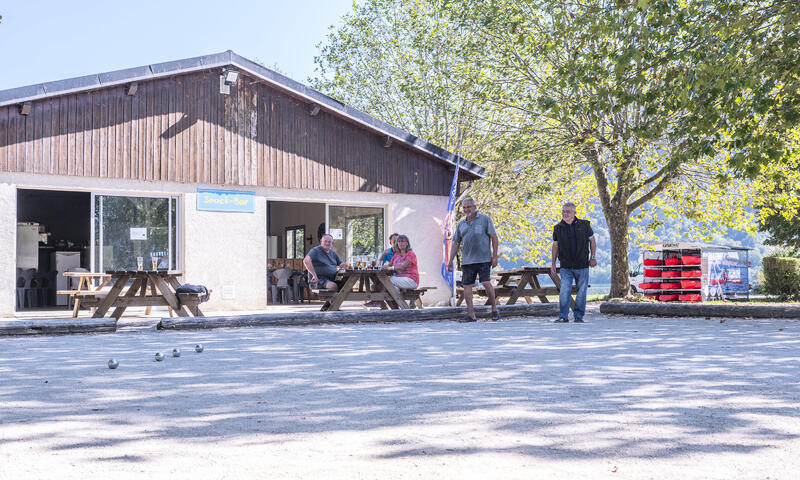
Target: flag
450	227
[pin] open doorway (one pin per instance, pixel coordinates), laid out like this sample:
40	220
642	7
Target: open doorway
294	228
53	234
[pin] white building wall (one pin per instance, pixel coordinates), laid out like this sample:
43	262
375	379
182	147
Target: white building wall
8	247
228	249
226	252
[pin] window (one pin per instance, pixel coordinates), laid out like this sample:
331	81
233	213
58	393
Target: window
295	241
129	227
361	230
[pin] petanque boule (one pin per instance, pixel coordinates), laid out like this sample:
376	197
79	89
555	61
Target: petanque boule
198	348
113	363
176	352
159	357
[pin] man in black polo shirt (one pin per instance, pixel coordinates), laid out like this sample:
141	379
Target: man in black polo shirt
573	240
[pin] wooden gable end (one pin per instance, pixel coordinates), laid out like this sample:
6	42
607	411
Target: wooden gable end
181	129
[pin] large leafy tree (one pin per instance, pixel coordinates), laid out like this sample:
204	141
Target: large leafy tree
646	106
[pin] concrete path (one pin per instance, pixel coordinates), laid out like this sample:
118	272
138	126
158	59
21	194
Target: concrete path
618	397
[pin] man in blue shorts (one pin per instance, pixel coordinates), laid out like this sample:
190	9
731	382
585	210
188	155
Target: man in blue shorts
476	235
323	264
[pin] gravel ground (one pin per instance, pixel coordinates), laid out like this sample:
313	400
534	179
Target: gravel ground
617	397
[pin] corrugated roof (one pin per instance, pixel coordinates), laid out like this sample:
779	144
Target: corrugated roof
229	58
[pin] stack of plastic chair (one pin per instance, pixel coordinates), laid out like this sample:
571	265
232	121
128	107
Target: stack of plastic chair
26	296
45	285
20	283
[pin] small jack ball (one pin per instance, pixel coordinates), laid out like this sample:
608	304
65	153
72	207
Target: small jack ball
159	357
198	348
176	352
113	363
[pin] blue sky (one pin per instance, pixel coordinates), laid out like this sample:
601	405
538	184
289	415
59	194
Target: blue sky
42	41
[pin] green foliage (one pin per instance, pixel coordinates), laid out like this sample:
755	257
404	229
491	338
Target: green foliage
778	201
782	276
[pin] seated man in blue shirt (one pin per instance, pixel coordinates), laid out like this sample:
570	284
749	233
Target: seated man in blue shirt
323	264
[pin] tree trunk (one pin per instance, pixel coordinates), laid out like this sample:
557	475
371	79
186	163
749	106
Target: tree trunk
617	220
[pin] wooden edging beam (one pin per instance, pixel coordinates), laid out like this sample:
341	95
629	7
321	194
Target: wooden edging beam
369	316
701	310
57	326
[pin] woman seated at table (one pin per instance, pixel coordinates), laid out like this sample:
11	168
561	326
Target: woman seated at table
404	264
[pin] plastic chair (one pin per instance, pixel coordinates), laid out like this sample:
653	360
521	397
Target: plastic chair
282	289
302	290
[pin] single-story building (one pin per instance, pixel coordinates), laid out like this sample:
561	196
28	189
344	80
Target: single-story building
214	166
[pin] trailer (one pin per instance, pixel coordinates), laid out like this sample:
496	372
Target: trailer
693	272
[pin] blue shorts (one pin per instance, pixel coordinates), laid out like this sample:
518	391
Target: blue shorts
322	280
472	270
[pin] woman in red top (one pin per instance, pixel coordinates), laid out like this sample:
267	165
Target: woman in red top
404	264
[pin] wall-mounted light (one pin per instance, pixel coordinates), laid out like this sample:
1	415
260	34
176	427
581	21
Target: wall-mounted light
231	76
313	109
25	108
226	79
130	89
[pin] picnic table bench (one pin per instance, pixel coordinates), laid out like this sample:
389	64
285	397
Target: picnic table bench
358	285
412	296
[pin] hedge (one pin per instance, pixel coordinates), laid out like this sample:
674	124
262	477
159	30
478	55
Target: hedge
781	276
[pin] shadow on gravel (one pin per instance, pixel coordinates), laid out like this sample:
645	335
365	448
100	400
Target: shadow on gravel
628	387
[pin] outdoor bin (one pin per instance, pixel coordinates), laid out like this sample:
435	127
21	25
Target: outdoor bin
710	271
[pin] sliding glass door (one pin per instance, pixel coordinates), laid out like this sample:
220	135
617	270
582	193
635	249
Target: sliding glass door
356	230
126	228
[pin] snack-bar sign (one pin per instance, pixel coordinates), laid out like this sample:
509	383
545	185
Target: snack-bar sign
226	201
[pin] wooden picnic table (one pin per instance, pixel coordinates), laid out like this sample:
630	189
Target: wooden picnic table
85	285
364	279
162	285
523	282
